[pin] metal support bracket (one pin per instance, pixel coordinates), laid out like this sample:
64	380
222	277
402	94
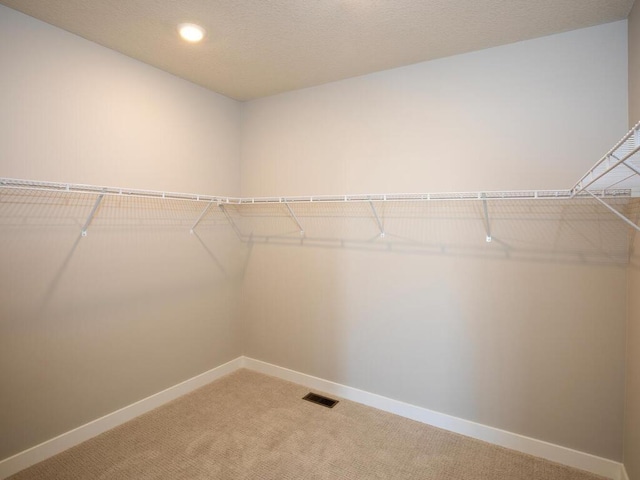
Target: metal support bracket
591	177
230	220
91	215
375	214
295	219
486	218
615	212
204	212
630	167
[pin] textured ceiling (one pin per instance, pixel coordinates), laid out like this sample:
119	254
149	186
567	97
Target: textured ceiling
256	48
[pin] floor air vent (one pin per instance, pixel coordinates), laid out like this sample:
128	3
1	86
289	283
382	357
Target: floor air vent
320	400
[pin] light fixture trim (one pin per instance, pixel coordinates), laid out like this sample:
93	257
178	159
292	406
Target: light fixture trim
191	32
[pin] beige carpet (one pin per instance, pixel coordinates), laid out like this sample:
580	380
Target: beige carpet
252	426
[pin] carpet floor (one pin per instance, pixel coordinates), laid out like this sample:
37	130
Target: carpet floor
252	426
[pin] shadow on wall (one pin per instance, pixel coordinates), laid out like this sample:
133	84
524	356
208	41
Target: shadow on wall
573	231
90	324
134	248
525	333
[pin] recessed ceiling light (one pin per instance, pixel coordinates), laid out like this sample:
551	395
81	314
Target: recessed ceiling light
191	32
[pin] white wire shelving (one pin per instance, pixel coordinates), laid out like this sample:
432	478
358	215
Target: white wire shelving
372	202
78	188
34	185
616	175
619	167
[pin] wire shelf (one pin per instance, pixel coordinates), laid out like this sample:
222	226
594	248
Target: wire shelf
613	181
20	184
619	167
34	185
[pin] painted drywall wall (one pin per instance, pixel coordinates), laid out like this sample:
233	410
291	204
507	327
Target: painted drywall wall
73	111
632	384
91	324
634	65
522	116
519	334
632	401
95	323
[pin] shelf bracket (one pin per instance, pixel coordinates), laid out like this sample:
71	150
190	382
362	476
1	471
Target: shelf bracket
204	212
615	212
587	180
630	167
295	219
230	220
375	214
91	215
486	217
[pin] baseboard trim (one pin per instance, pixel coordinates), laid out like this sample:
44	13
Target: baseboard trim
33	455
531	446
566	456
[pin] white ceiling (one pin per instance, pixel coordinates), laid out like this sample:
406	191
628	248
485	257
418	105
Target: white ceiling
256	48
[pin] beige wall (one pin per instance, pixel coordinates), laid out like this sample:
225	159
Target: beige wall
632	412
634	65
73	111
532	348
525	334
632	403
89	325
511	334
523	116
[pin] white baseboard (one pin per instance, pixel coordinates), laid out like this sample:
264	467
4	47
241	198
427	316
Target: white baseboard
566	456
556	453
47	449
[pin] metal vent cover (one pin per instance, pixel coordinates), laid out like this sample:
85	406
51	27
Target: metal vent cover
320	400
